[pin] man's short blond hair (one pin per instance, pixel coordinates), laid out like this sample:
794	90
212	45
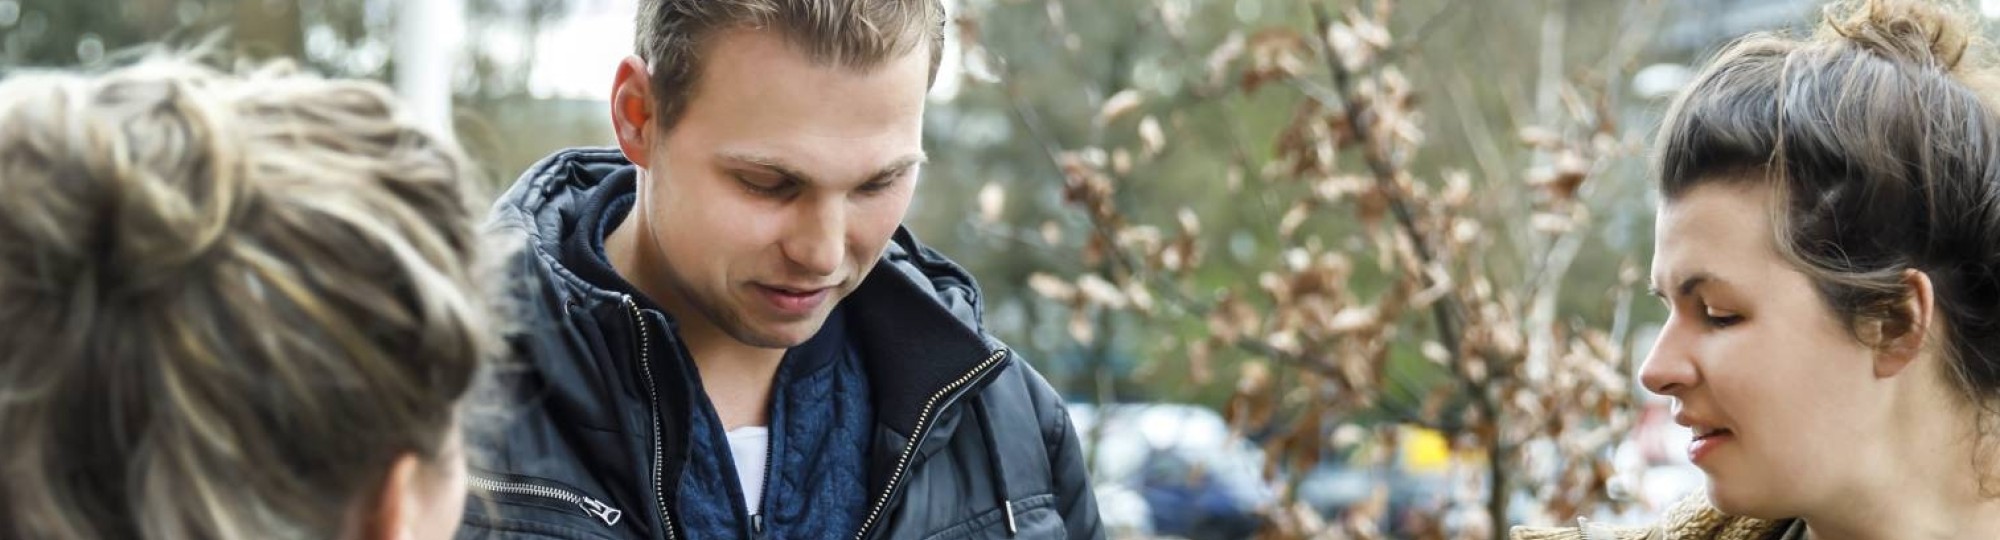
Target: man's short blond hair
674	35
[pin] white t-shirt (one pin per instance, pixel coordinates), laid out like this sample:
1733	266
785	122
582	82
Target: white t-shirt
750	446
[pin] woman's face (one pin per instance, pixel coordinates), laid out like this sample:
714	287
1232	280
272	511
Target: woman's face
1785	405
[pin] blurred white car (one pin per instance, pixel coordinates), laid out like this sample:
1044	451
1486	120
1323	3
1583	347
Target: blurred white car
1172	469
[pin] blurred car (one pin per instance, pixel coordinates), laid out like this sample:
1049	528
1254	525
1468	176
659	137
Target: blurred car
1415	481
1195	479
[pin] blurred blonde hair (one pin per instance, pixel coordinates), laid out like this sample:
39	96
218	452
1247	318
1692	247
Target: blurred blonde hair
230	301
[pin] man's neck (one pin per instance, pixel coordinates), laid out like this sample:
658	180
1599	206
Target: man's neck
737	378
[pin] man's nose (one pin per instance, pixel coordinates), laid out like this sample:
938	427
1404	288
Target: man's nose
817	242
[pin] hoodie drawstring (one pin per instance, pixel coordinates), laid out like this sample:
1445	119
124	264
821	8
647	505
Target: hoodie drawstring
993	462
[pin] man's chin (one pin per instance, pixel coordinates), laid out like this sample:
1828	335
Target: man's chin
776	335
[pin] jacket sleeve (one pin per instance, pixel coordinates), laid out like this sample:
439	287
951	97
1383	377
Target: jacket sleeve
1074	498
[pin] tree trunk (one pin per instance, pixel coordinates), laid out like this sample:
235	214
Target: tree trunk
428	34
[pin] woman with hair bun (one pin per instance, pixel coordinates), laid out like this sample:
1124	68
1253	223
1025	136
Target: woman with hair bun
1828	247
231	307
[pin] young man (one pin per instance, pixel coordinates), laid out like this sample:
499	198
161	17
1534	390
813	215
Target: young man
731	336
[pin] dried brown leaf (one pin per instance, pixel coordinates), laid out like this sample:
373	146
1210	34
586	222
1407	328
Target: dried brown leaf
1119	104
1100	292
992	202
1274	55
1293	218
1144	238
1225	54
1348	47
1371	28
1285	341
1568	175
1354	319
1334	188
1372	205
1464	231
1151	136
1458	189
1435	352
1540	137
1173	259
1081	328
1254	378
1051	287
1190	223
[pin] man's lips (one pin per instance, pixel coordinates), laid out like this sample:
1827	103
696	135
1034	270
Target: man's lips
796	289
794	300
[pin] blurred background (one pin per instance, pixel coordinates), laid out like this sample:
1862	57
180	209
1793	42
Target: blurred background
1306	269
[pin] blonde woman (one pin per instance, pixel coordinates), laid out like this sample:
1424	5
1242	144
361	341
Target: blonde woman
1828	246
231	307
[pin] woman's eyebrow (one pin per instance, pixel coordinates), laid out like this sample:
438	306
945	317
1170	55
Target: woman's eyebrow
1687	285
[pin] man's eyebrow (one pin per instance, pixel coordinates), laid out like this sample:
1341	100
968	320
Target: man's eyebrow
793	174
772	164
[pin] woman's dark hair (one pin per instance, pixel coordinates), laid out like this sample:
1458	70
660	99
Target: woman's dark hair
1878	137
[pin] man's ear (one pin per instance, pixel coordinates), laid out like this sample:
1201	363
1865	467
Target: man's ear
632	110
1899	341
392	513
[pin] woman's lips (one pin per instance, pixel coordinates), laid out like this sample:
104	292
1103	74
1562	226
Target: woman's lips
1706	442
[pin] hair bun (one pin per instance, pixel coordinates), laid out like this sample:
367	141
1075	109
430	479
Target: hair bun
1923	32
127	183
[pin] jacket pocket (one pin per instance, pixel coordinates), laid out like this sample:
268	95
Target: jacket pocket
507	506
1033	518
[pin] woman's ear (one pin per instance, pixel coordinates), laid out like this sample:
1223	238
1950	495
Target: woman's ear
1899	340
391	514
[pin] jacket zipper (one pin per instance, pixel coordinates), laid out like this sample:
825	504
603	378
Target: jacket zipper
764	498
653	399
924	420
594	507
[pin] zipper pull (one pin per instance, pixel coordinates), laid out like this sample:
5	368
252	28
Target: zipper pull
602	511
757	525
1011	529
